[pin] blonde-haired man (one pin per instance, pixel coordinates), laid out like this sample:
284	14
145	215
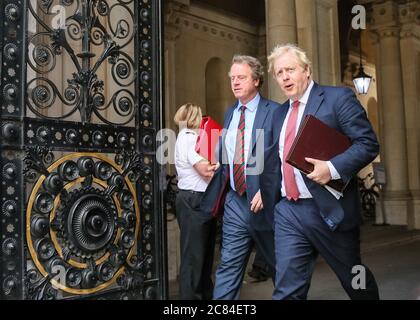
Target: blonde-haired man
310	219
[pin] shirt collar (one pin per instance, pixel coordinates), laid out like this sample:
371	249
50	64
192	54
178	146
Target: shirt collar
304	99
188	130
251	105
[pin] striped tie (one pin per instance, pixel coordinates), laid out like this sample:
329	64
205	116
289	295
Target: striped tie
239	160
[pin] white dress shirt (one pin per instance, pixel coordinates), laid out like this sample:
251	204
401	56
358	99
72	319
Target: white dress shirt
230	140
303	190
185	159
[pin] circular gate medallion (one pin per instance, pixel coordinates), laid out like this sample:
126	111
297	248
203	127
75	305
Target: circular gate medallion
82	223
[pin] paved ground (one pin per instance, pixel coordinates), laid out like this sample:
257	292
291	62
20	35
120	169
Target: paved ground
393	255
391	252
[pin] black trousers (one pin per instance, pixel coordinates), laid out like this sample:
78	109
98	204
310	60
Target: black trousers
198	237
259	262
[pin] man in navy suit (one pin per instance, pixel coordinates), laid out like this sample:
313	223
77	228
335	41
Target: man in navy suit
247	132
309	217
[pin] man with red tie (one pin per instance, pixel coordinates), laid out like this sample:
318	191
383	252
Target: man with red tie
309	217
246	134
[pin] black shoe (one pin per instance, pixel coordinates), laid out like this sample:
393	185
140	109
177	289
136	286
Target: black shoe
258	274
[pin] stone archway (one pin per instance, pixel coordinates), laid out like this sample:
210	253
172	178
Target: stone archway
218	94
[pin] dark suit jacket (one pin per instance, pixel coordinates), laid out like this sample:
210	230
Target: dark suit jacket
263	120
338	108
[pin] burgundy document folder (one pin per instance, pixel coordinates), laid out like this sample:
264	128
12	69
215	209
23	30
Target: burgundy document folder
317	140
219	206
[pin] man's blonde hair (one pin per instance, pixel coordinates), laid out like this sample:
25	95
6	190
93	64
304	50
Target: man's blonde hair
281	49
189	115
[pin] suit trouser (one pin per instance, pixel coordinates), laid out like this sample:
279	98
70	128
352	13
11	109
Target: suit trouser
198	236
237	242
300	234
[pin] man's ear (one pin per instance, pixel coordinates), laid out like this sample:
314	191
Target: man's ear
308	72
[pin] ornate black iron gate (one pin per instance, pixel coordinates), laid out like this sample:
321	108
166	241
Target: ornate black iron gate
81	208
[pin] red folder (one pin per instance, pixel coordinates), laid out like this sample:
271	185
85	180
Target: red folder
317	140
207	139
219	206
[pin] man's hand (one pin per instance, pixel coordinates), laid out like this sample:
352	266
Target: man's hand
321	173
216	166
256	203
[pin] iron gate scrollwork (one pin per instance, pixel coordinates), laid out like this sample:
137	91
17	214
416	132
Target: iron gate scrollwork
81	211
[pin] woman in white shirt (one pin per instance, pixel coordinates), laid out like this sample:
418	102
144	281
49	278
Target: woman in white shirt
198	229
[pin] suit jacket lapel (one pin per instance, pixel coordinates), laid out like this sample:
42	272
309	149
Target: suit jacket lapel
222	147
279	122
314	102
229	116
261	115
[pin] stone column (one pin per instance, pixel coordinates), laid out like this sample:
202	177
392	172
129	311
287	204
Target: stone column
410	56
394	144
317	33
280	28
172	33
307	33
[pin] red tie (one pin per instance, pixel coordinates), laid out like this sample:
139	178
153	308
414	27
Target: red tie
292	191
239	160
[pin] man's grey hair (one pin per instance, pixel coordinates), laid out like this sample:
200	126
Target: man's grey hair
255	65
